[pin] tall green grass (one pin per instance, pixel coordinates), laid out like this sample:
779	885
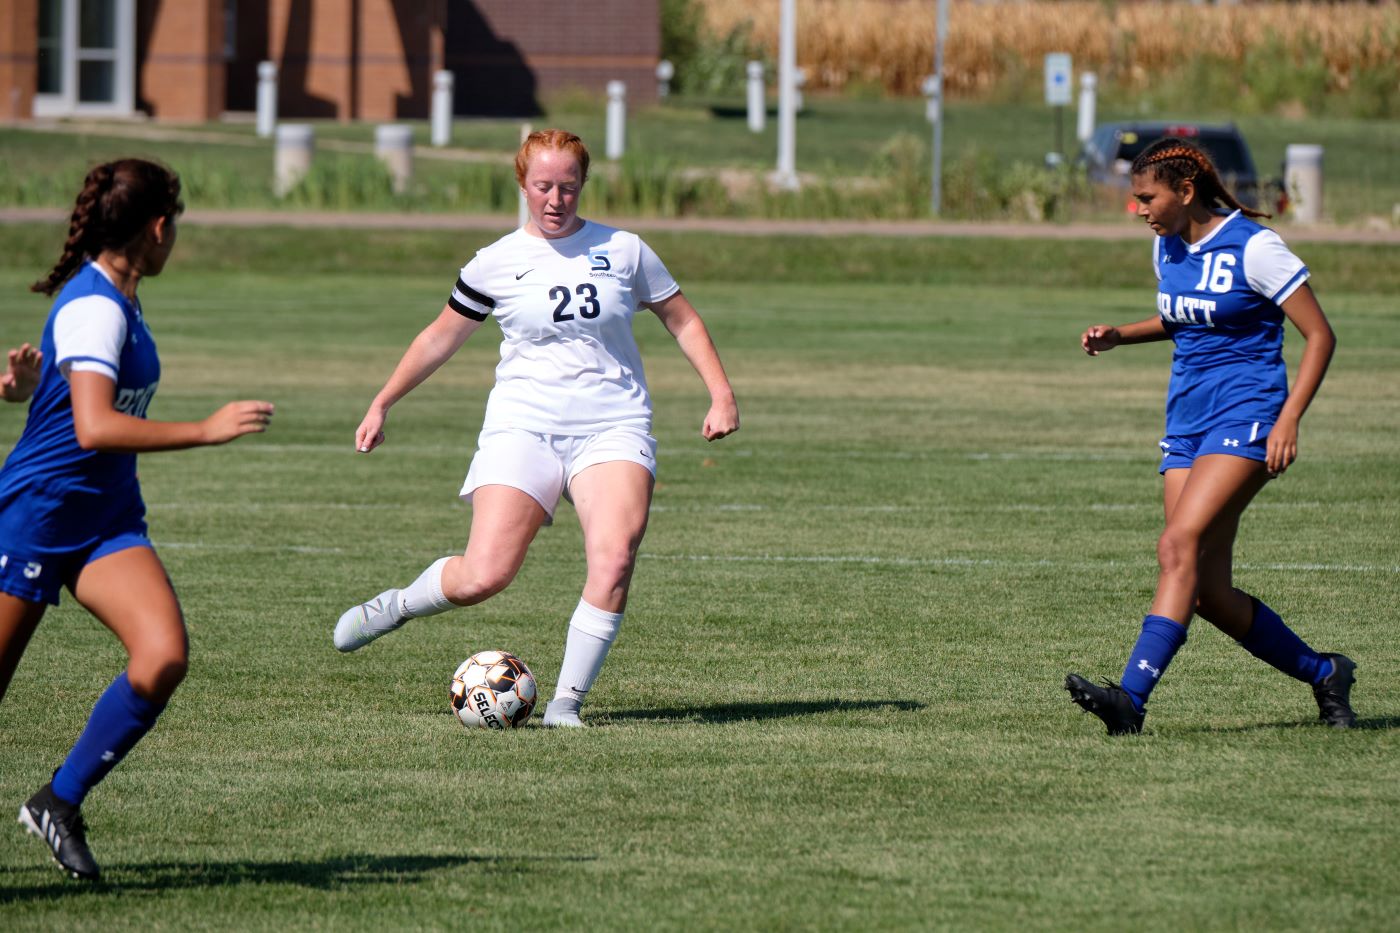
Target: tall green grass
860	159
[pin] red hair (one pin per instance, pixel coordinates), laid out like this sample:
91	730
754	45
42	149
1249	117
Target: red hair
562	140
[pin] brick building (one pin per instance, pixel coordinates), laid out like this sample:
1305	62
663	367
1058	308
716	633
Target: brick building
191	60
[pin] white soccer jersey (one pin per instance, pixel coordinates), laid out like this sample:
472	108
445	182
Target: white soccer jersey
569	363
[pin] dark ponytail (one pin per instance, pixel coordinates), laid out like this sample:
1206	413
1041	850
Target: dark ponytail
1174	161
117	201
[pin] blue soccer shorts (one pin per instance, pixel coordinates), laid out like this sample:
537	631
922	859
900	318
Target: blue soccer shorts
1247	439
39	575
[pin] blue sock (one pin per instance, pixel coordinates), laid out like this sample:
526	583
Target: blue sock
1155	648
117	723
1274	643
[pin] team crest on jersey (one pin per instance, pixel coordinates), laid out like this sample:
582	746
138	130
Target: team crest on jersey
599	265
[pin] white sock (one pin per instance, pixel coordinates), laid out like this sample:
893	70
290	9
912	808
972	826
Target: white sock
591	634
423	597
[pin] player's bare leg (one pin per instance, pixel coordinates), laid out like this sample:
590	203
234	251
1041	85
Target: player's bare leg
1259	629
1203	506
504	522
612	500
1214	492
129	592
18	620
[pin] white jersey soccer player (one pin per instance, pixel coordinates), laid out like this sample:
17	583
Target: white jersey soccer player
569	362
570	414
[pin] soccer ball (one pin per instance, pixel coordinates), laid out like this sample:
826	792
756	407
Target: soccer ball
493	690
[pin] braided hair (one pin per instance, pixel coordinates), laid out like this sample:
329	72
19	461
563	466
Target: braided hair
117	201
1175	161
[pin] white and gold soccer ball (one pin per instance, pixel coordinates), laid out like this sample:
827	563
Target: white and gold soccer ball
493	690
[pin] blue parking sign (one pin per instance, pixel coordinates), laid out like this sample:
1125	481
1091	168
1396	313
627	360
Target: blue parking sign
1058	79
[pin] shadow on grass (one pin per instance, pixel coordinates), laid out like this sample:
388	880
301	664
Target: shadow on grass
327	874
1375	724
741	712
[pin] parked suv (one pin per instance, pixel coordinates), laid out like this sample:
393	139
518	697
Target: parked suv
1111	150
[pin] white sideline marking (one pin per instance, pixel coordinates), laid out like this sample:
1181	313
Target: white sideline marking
452	501
859	559
299	506
468	447
983	562
265	549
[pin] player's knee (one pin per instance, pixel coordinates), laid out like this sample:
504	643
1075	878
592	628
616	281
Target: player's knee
1176	550
477	584
155	677
611	566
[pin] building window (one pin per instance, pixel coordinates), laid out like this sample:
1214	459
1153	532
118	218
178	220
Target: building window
50	46
97	51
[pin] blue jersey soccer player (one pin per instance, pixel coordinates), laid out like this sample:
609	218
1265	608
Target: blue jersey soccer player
71	512
1225	286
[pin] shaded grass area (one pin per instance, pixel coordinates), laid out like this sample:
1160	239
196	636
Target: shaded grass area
836	699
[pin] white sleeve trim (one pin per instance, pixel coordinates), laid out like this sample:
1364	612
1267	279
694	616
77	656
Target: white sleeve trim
1157	257
88	334
654	281
1271	268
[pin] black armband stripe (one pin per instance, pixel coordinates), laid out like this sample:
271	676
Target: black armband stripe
464	310
469	292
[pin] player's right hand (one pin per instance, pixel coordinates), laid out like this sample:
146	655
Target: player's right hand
1099	338
370	433
21	374
235	420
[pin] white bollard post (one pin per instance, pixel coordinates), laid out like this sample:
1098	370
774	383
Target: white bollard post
785	177
267	98
292	156
393	144
1302	175
1088	99
617	119
933	99
799	81
665	71
442	108
758	105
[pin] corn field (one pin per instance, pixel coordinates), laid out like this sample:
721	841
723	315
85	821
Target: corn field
888	44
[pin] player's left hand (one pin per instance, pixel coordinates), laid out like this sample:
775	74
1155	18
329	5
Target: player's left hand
1282	445
721	420
21	375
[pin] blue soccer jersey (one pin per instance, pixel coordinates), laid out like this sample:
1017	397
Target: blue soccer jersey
56	497
1219	300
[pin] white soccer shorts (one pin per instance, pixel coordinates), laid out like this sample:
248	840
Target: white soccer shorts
543	465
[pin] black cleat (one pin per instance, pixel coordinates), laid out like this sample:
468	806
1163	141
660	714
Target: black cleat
1110	703
1333	695
60	824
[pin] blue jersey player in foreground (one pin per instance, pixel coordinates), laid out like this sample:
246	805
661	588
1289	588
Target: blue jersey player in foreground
71	512
1225	285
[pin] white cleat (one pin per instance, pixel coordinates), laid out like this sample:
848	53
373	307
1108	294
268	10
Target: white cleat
555	718
362	624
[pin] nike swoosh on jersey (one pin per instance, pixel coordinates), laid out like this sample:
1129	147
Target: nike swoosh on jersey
523	274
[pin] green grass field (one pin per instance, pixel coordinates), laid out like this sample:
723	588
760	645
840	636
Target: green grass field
986	146
836	701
